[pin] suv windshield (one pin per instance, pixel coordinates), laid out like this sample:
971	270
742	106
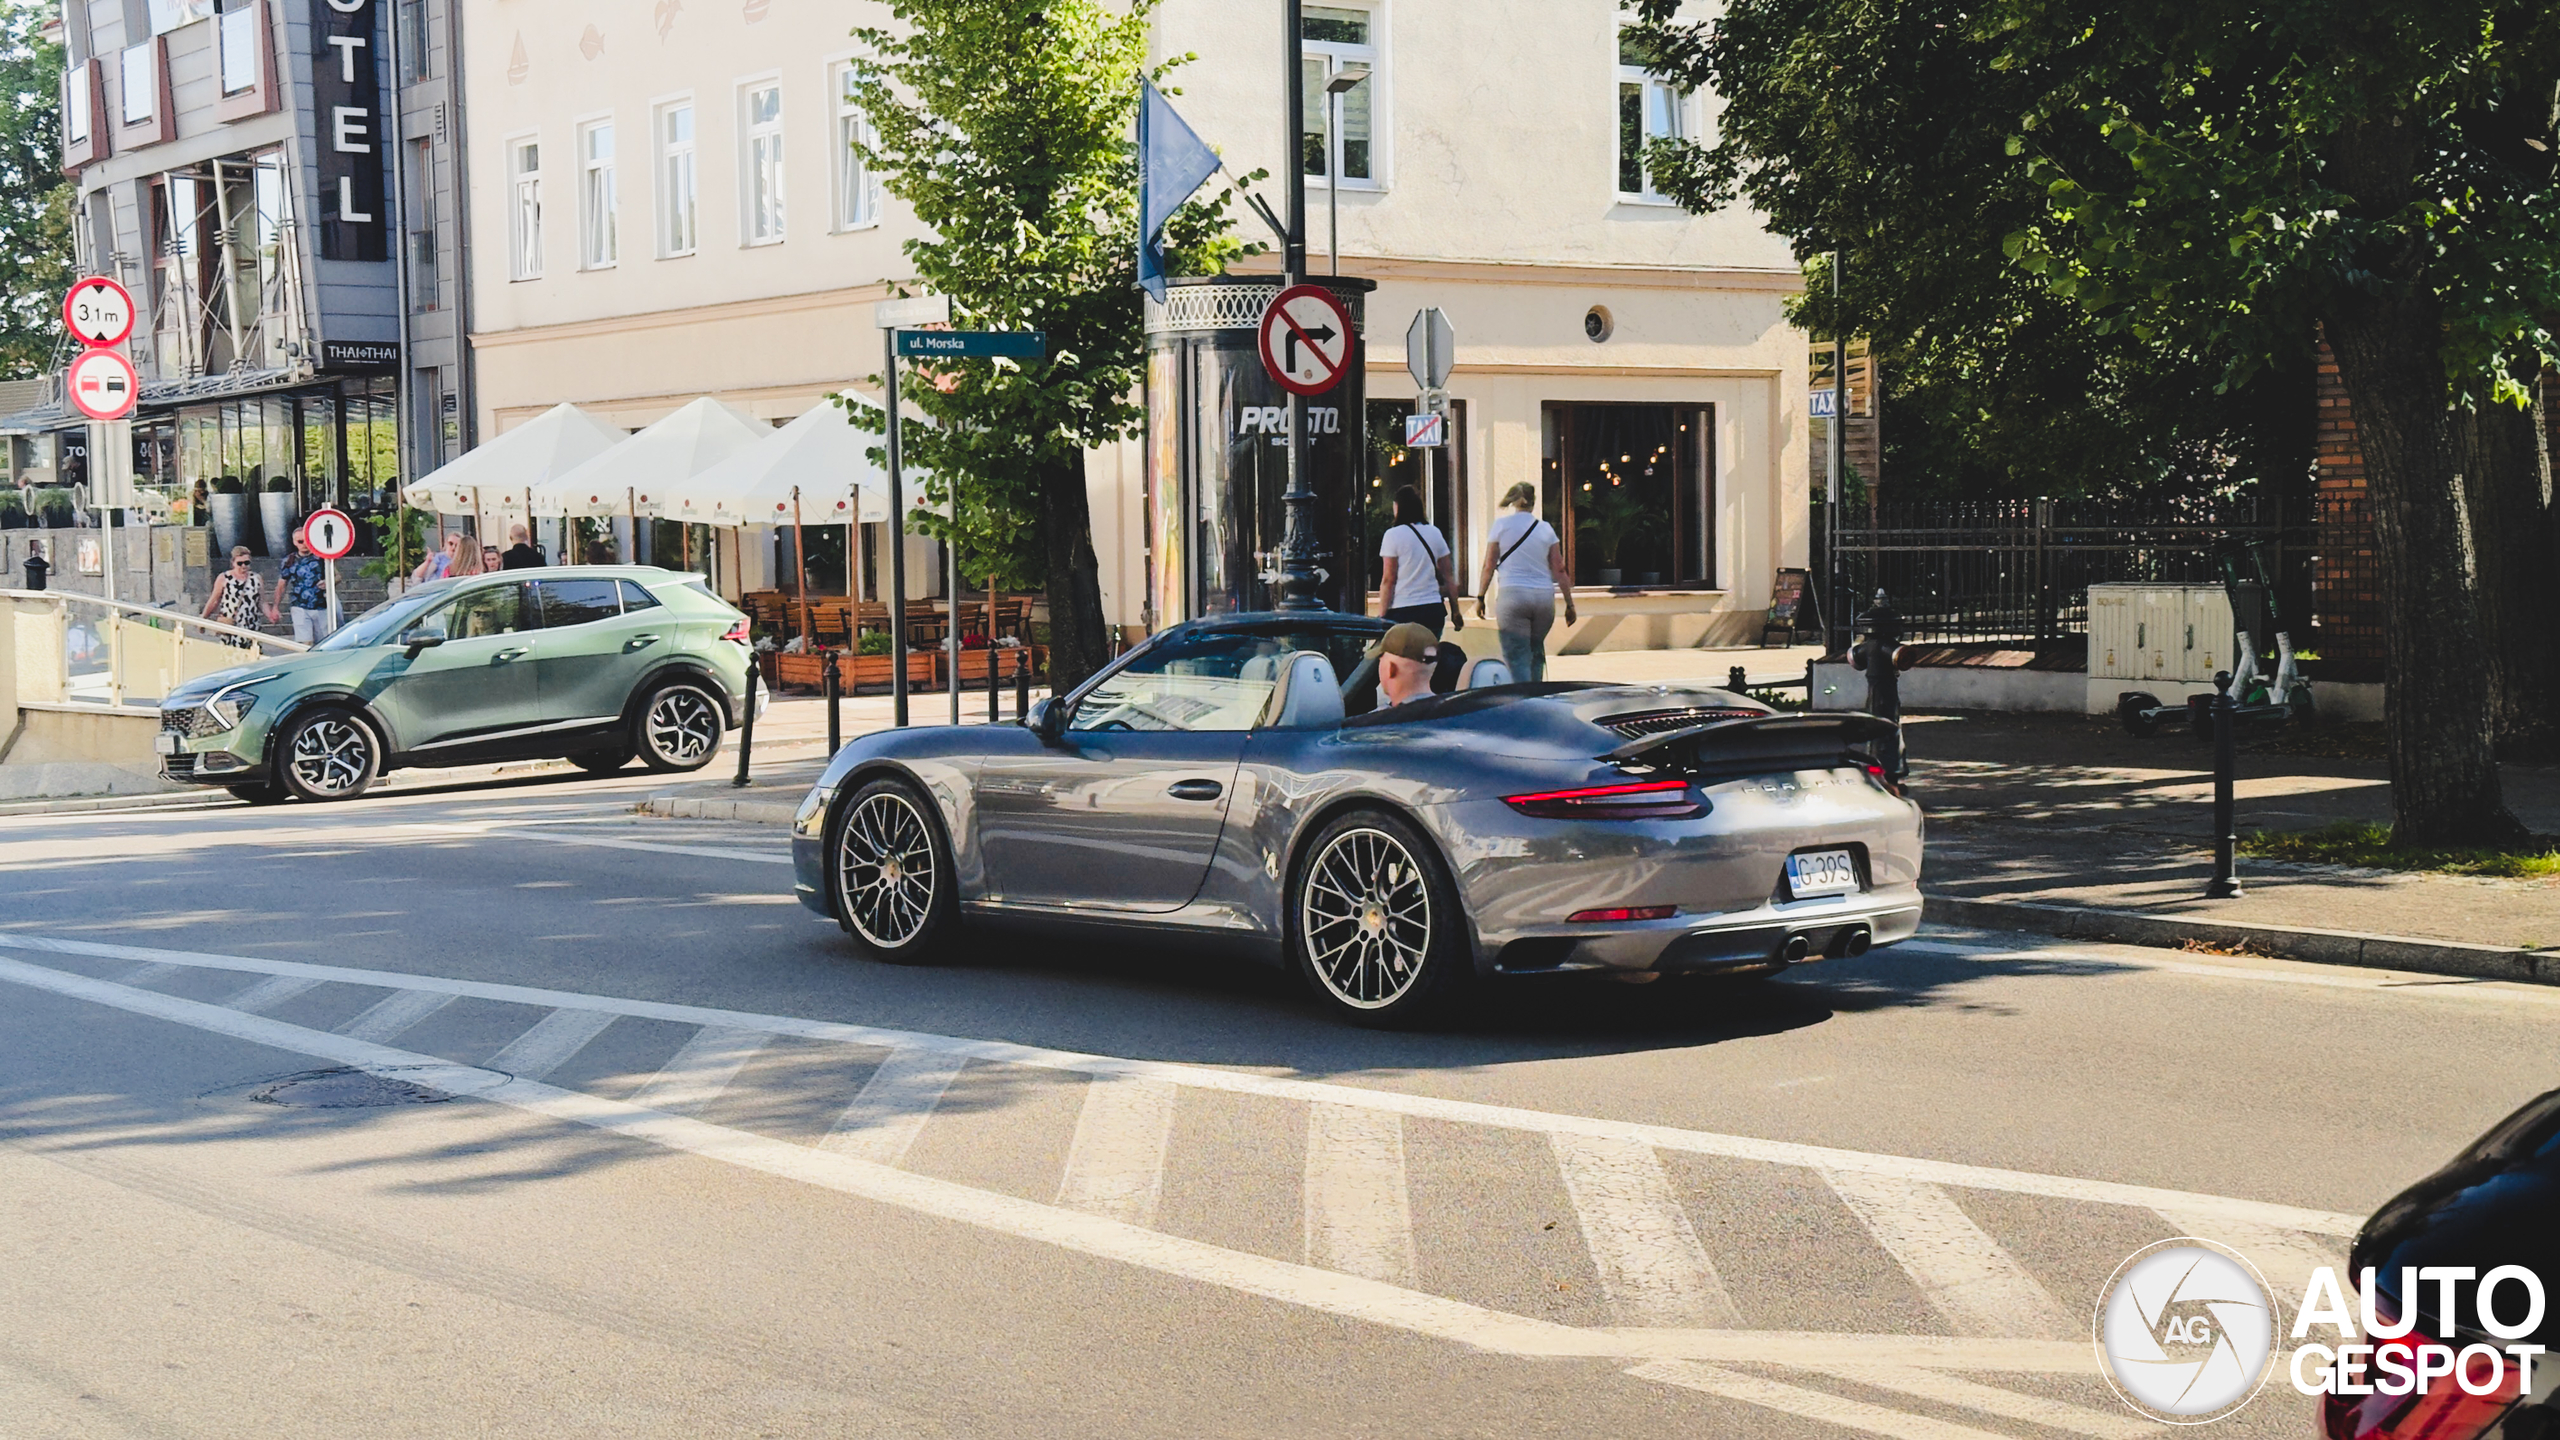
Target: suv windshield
377	625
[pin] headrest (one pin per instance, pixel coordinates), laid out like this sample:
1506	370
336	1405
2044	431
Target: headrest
1484	674
1447	665
1309	698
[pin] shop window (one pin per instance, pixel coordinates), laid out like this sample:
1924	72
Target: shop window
1631	490
1335	41
1648	110
1392	466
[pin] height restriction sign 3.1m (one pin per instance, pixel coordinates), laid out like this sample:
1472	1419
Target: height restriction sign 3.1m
1306	339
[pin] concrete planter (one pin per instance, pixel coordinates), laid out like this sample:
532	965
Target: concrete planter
230	521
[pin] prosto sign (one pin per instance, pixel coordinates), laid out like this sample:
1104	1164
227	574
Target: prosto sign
346	85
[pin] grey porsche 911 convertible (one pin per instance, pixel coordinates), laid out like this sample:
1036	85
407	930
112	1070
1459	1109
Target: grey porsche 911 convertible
1235	781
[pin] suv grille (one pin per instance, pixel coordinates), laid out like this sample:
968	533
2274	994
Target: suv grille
193	721
1641	723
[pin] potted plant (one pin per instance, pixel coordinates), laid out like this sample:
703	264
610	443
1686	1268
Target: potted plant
1609	517
230	514
276	514
53	506
13	511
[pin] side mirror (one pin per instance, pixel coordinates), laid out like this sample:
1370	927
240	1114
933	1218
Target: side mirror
418	640
1048	719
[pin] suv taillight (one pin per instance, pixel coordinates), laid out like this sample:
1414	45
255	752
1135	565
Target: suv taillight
1643	800
738	632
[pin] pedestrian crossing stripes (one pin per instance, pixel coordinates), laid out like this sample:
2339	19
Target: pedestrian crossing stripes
1659	1299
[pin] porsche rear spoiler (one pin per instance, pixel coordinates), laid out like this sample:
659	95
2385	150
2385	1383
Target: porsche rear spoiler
1817	739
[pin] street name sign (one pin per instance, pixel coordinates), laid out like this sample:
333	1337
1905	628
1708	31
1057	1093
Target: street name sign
912	311
1424	430
972	344
329	533
102	384
98	312
1430	348
1305	339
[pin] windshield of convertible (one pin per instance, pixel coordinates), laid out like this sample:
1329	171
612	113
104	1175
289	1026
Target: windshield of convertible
1210	679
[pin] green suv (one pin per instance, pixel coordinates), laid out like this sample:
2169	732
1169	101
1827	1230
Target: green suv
595	664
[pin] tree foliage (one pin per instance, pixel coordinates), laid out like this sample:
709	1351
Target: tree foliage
1007	126
35	199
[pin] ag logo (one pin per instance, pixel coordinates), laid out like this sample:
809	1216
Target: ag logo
2186	1332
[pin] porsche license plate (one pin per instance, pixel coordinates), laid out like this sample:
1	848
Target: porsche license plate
166	742
1821	872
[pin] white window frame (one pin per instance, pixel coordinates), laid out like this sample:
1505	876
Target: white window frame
76	103
664	156
237	34
752	135
1682	107
599	196
145	58
1336	55
524	208
857	190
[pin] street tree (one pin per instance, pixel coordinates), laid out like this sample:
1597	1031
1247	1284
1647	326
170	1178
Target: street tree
2220	177
1007	126
35	199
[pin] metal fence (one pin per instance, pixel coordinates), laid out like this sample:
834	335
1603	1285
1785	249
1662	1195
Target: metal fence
2021	569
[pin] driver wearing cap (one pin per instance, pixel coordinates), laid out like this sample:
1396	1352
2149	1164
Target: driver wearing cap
1407	655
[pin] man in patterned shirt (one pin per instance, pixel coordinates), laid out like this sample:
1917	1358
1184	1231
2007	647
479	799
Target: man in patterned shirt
302	587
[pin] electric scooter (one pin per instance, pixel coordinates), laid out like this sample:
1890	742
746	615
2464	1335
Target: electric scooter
2263	702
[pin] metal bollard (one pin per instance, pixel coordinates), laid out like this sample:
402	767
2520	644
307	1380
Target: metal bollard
747	725
1022	683
993	650
833	680
2226	764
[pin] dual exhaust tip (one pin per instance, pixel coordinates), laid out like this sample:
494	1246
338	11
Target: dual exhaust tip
1842	943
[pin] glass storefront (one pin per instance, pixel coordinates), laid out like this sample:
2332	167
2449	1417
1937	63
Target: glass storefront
334	443
1631	490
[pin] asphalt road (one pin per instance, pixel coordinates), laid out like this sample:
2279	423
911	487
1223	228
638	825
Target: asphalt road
712	1175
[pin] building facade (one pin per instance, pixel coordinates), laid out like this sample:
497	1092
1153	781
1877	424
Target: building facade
668	206
235	169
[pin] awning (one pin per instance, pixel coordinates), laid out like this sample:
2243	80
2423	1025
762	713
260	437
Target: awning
498	474
636	476
819	456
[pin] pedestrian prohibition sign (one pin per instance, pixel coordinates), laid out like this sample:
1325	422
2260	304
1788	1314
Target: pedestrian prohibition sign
329	533
1306	339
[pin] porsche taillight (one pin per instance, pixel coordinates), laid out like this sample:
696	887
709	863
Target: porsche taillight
1640	800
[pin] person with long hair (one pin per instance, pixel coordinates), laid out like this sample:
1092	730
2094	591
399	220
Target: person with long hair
1419	585
1524	564
466	555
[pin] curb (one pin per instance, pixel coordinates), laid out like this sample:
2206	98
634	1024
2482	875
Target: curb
196	797
2321	947
694	807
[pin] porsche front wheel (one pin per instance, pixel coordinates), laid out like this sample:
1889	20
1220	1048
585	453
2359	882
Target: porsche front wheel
892	872
1374	922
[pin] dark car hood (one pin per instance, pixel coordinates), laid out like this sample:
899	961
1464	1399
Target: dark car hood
2497	1203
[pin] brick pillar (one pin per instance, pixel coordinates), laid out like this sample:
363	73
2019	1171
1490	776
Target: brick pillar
2346	578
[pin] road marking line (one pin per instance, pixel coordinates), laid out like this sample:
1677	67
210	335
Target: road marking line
149	972
1651	1265
1967	1276
701	1070
705	852
1358	1218
549	1044
889	1112
1427	1107
1115	1166
391	1018
1331	1292
2284	1258
1992	1400
1811	1404
2341	977
271	992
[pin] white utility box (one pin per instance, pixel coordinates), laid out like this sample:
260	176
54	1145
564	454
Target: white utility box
2173	634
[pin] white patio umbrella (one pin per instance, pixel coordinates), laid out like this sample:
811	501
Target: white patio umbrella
499	473
635	477
810	472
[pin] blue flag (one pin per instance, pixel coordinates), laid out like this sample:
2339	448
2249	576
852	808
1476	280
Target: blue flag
1172	162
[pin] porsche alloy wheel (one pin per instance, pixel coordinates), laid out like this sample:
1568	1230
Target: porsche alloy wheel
892	872
329	755
679	729
1376	921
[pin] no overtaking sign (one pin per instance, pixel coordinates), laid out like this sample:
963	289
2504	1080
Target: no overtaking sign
1306	339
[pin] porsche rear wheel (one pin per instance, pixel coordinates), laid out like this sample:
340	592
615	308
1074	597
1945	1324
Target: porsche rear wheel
892	872
1375	927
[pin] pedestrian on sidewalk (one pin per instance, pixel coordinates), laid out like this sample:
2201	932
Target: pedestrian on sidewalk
234	600
440	564
1524	564
1879	655
302	586
466	556
522	553
1419	584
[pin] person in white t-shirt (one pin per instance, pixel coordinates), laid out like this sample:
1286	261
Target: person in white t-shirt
1420	586
1524	564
